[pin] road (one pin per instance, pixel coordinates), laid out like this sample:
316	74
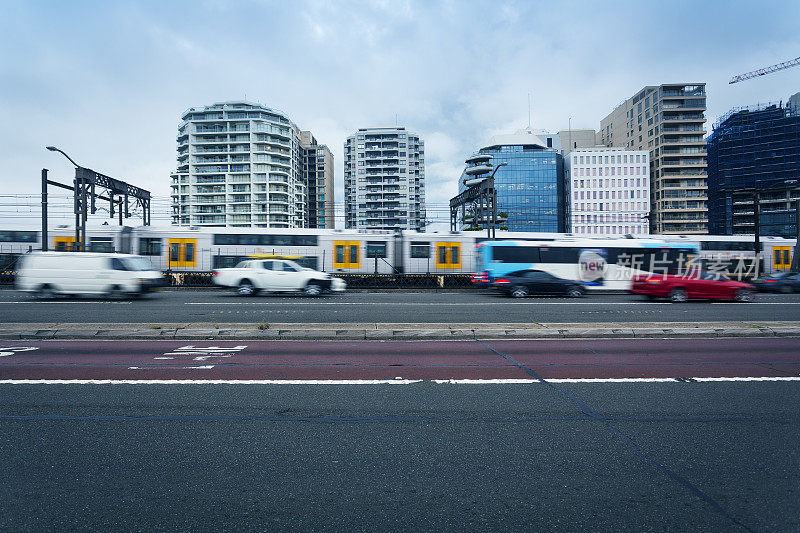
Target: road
552	450
401	307
382	360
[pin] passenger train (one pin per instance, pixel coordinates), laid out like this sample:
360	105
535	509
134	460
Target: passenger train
188	249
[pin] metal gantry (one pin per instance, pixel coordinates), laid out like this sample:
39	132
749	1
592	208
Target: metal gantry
88	187
480	193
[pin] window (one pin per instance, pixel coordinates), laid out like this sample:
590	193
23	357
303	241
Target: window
149	246
117	264
376	249
420	250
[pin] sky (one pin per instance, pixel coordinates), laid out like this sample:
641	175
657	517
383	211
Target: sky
107	81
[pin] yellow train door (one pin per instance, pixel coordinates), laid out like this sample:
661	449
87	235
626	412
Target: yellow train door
782	257
346	254
182	253
448	255
64	244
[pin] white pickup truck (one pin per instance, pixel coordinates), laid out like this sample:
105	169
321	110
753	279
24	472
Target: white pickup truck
276	275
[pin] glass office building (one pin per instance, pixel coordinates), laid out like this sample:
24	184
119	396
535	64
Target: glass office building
530	189
753	150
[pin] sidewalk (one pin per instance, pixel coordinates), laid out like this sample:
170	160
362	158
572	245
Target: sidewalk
404	331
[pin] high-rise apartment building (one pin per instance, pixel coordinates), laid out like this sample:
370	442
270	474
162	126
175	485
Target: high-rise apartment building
384	179
669	122
755	150
608	191
316	168
240	165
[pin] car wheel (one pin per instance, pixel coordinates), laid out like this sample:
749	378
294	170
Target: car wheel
115	293
245	288
678	295
743	295
519	291
312	289
786	289
45	292
575	292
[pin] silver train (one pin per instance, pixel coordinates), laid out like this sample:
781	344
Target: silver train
185	249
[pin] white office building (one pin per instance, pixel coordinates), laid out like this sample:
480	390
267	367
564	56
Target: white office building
239	165
608	191
384	179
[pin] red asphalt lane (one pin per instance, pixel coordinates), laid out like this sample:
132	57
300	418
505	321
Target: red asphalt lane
269	360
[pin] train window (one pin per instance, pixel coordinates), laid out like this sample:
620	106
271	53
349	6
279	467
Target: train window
18	236
420	250
149	246
786	259
305	240
354	253
265	240
340	254
777	257
307	262
443	254
376	249
101	244
226	261
174	251
189	252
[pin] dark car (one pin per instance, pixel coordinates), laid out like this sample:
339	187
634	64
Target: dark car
524	282
784	282
695	285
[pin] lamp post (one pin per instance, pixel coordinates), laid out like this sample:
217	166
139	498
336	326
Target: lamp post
54	149
79	244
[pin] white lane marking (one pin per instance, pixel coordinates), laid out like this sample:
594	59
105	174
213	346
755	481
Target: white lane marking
532	302
373	381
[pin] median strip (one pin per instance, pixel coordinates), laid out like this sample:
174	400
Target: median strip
394	331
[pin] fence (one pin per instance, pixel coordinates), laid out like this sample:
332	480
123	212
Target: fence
354	281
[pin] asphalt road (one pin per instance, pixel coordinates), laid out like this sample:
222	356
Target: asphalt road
392	360
534	457
678	452
354	307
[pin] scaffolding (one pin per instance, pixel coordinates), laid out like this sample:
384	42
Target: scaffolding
754	149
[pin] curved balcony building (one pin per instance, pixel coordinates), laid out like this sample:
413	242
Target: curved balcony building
228	153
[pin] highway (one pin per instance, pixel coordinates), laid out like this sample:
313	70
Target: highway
634	435
206	306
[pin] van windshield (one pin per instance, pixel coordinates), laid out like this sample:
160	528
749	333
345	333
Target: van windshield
137	263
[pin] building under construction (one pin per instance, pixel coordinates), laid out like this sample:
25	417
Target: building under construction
754	152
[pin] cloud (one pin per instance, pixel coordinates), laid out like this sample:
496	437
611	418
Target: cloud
108	81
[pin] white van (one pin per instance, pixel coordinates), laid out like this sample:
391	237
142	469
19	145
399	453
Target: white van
47	274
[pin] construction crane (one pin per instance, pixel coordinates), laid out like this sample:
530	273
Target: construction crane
767	70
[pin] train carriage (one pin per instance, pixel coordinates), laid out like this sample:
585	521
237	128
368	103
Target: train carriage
188	249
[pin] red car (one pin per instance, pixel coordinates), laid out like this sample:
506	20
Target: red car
697	284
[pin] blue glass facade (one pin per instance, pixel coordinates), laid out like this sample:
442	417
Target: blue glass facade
530	189
754	150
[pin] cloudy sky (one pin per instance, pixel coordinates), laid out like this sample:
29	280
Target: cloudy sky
107	81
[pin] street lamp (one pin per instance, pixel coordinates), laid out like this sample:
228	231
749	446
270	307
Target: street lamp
79	244
54	149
